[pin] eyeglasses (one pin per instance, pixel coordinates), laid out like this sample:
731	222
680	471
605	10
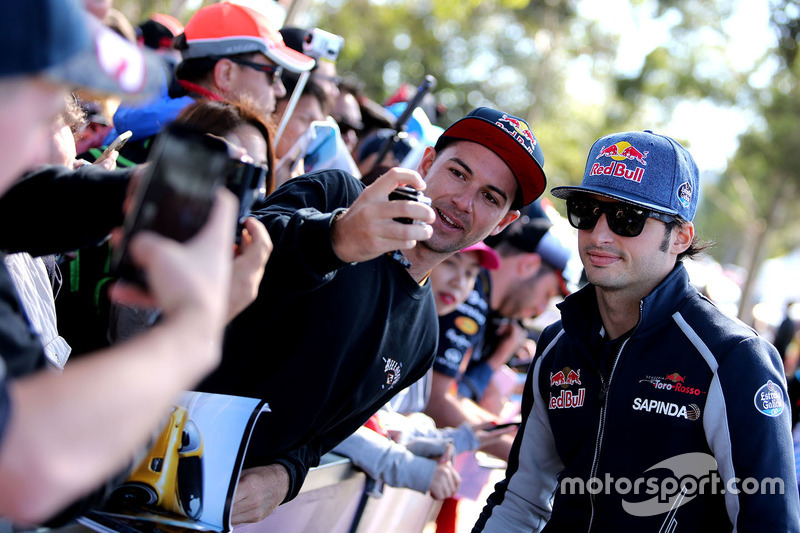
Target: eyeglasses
626	220
273	72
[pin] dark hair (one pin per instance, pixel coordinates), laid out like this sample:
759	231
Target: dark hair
198	69
695	248
444	142
220	117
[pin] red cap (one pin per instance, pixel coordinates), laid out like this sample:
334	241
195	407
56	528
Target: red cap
488	257
226	29
512	140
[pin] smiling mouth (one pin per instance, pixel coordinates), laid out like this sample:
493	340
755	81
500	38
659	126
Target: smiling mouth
449	222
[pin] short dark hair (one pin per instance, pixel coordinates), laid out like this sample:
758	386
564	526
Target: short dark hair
696	247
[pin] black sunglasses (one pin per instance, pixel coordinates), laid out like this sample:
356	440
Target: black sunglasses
626	220
273	72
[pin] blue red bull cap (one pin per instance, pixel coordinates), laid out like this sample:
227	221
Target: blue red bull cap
512	140
642	168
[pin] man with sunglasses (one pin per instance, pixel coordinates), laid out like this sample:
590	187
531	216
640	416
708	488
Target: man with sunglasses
646	408
229	52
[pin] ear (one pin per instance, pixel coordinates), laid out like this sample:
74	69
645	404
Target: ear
426	162
507	219
224	75
682	239
528	265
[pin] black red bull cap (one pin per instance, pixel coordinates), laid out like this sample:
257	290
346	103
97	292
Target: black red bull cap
512	140
641	168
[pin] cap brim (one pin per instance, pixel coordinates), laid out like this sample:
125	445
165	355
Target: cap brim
529	175
488	261
289	59
110	65
567	191
487	257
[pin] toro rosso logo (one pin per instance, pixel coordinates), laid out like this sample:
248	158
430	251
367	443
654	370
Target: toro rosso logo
519	130
672	382
619	153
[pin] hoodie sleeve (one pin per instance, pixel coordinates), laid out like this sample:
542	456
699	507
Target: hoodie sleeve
298	217
57	209
383	459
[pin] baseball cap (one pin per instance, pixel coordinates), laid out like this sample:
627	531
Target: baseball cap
489	259
512	140
158	31
642	168
534	236
227	29
57	39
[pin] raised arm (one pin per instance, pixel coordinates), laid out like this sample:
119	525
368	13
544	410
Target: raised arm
68	433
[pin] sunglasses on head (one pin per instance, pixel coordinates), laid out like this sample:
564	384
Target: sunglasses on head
273	72
626	220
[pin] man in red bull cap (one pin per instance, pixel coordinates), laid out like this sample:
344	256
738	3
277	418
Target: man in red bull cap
663	389
63	435
346	262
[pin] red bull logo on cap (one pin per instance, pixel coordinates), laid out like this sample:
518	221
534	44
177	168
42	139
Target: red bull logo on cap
519	130
619	152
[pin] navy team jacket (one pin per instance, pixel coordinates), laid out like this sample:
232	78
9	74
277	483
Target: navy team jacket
684	425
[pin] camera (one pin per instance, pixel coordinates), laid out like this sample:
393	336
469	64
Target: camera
321	44
408	193
248	182
175	195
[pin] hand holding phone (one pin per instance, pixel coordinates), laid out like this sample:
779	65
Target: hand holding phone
176	192
116	144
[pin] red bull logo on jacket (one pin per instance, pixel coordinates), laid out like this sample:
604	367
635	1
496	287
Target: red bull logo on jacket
565	377
568	399
519	130
620	153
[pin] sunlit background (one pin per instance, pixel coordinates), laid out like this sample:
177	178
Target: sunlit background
719	76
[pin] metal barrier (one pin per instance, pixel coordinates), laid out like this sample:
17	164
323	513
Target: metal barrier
338	498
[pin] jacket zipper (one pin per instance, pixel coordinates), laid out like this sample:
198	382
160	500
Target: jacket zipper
602	426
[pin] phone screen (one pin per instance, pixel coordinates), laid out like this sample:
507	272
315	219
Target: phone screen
175	195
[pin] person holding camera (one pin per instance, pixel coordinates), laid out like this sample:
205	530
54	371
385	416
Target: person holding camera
345	318
63	435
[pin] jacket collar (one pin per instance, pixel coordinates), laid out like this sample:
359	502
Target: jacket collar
581	317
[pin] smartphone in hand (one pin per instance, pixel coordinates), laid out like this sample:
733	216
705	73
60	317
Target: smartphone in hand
175	195
116	144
